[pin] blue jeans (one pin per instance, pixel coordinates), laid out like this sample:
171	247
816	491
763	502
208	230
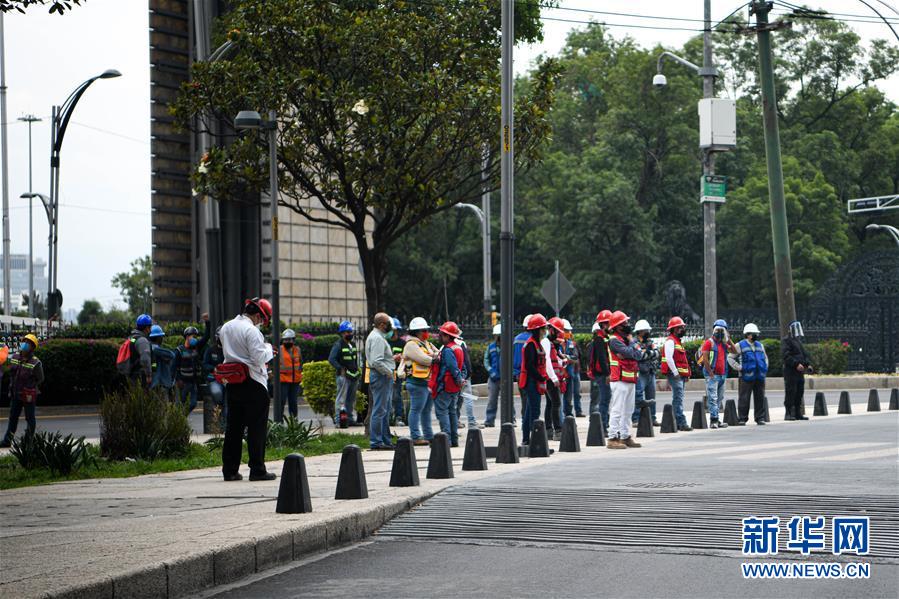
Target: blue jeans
466	396
531	411
572	395
604	397
191	391
399	410
677	399
15	410
714	387
645	391
446	406
420	406
493	388
289	392
381	389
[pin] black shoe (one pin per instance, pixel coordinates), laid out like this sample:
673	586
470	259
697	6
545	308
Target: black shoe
488	425
686	428
760	423
5	443
580	415
454	445
789	417
233	477
801	417
264	476
656	423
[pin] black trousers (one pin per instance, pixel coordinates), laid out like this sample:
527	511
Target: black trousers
756	390
247	410
552	412
794	387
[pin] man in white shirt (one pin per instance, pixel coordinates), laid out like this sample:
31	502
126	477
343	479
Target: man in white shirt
248	402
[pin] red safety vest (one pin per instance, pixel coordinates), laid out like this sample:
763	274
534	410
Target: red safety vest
291	365
541	366
449	383
680	359
623	369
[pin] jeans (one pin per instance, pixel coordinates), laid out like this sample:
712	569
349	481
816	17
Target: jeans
289	392
381	387
756	389
531	410
420	406
493	388
399	410
446	407
15	410
645	391
620	409
466	396
553	412
603	399
346	396
572	396
190	390
677	398
714	387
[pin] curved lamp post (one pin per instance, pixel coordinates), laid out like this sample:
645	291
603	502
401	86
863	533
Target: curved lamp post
893	231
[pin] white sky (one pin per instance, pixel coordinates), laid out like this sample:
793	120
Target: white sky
105	176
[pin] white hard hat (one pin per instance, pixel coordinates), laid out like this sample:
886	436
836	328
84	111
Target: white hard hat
497	330
642	325
526	319
751	328
288	334
566	324
595	327
418	324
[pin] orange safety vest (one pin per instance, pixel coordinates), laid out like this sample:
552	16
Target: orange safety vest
680	359
541	366
623	369
291	365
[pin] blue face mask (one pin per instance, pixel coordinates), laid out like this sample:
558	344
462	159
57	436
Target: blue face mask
193	342
25	346
390	334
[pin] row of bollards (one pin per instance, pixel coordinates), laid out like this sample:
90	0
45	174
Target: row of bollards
294	497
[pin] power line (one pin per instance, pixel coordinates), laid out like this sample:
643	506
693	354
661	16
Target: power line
108	132
605	24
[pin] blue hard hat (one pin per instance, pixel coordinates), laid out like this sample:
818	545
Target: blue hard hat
144	320
396	323
156	331
721	323
345	327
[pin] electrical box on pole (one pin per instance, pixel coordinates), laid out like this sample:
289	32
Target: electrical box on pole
717	124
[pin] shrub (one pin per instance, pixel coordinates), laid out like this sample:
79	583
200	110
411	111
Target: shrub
830	356
78	371
319	387
137	423
60	455
291	434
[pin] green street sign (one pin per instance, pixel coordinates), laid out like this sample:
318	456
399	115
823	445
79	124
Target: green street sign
713	188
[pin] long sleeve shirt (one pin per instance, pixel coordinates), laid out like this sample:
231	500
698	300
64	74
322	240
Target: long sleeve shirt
599	354
794	354
142	345
491	361
669	357
546	344
243	342
413	351
735	360
631	351
378	353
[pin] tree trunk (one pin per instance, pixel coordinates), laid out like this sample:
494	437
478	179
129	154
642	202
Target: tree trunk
373	273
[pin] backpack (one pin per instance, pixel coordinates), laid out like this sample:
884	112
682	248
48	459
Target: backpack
127	356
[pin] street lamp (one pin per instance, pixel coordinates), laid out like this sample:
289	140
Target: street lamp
60	117
485	239
46	203
893	231
250	119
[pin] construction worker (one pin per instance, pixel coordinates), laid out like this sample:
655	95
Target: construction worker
419	356
533	376
188	364
343	358
714	369
555	387
248	401
676	366
751	362
212	357
291	371
466	394
517	347
796	364
26	374
573	371
398	344
163	362
447	379
645	392
624	354
139	366
599	368
491	365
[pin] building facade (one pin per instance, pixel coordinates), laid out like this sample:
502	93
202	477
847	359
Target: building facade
18	279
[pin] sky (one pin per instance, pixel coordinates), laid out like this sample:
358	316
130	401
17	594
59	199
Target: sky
104	220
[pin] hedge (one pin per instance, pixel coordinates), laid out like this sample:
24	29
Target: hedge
120	330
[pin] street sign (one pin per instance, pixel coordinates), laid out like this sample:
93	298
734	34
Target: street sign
713	188
557	290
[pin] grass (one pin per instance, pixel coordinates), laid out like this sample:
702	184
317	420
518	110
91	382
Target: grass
199	456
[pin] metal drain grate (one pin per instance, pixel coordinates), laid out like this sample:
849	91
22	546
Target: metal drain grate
660	485
624	517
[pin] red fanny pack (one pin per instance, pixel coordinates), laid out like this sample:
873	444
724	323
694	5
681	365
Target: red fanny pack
231	373
28	395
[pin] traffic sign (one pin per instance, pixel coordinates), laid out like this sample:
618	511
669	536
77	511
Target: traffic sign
713	188
557	290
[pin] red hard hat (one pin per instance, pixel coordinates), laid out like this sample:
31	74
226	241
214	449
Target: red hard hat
556	323
537	321
450	328
603	316
618	318
265	307
676	321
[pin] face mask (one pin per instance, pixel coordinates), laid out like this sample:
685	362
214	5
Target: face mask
425	335
193	342
389	334
25	347
644	336
753	337
719	335
626	329
348	336
288	344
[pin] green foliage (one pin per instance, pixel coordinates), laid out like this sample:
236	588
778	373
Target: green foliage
830	356
319	387
292	433
91	310
61	455
137	423
56	6
137	285
78	371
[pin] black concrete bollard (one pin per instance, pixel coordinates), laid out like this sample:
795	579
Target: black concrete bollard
351	478
405	469
440	462
293	494
669	424
644	426
894	399
705	403
507	448
873	401
570	442
820	404
767	413
730	413
475	454
539	446
845	405
699	419
596	434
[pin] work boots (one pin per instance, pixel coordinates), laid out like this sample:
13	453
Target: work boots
629	442
615	443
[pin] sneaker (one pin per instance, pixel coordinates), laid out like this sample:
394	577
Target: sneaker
264	476
460	424
656	423
233	477
635	423
629	442
713	424
558	435
421	442
686	428
400	423
615	444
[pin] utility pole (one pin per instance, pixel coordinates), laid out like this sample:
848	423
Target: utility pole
783	269
506	236
485	239
709	233
4	166
30	119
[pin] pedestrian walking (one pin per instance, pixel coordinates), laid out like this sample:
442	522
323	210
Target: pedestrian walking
623	358
751	361
381	362
676	366
492	366
188	364
645	391
212	357
290	372
163	364
419	356
600	369
398	344
447	379
135	360
713	359
797	364
344	359
244	369
26	374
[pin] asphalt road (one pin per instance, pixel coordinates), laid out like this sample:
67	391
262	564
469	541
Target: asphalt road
661	521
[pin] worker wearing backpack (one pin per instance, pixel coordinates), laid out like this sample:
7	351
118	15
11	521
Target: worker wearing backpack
134	359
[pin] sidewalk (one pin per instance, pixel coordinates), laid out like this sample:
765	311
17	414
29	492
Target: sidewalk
170	535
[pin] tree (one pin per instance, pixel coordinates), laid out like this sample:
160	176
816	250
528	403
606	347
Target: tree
137	285
385	109
91	311
56	6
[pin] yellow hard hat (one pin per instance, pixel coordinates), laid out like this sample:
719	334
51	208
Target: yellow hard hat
32	338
